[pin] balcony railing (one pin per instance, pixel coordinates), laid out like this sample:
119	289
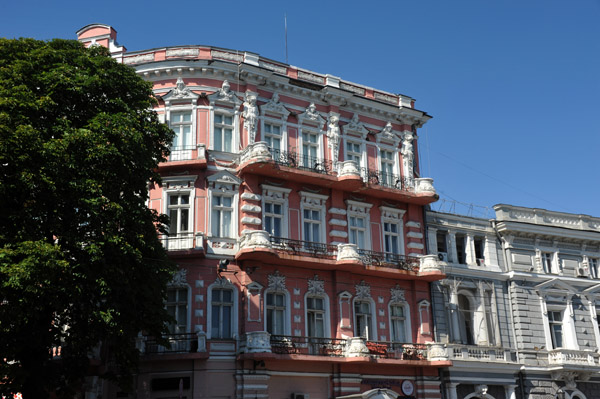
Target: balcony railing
181	153
179	343
297	160
385	179
395	261
397	350
313	249
283	344
570	357
480	353
178	242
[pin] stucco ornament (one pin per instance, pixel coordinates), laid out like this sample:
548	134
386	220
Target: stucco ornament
481	390
276	281
316	286
363	290
250	115
388	133
257	342
408	157
356	126
397	294
348	252
255	239
181	90
179	279
436	352
311	112
225	93
333	135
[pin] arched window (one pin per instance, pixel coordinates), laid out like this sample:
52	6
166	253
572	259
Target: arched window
222	298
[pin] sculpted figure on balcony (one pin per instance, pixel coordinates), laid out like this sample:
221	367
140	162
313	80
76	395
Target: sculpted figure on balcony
250	115
333	134
408	158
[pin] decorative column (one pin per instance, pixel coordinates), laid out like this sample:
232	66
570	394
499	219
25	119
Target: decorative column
333	137
408	159
452	247
451	390
453	306
250	115
510	391
470	250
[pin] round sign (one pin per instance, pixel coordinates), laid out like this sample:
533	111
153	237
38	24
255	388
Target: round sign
407	387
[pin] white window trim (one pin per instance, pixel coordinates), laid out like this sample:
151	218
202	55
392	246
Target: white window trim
235	141
222	284
227	184
320	145
180	185
393	215
277	195
186	153
396	155
287	315
181	99
275	122
360	209
326	316
363	151
188	327
314	201
568	322
424	305
407	324
374	336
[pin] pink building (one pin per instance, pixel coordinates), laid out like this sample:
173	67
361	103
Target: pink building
297	223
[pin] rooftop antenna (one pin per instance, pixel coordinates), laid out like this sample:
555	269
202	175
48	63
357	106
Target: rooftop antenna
286	47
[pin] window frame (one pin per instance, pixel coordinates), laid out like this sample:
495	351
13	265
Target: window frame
407	325
222	284
371	315
225	101
181	99
177	289
223	183
180	185
224	113
286	310
325	312
393	216
362	210
311	201
279	196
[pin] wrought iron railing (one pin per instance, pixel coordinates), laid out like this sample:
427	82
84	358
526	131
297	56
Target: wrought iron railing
313	249
313	346
297	160
385	179
178	343
397	350
402	262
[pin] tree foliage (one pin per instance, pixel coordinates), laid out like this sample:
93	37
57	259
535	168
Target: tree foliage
80	260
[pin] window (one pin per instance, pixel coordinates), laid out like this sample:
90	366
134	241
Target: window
387	168
179	214
593	267
273	218
358	230
310	150
222	313
223	133
490	316
555	320
313	211
442	245
391	237
398	323
547	263
312	225
461	253
354	152
222	210
479	245
276	313
363	320
272	136
181	123
315	316
177	307
465	314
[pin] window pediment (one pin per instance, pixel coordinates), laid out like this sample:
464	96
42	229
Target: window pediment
555	286
312	117
225	96
224	180
274	109
387	135
178	182
181	93
355	128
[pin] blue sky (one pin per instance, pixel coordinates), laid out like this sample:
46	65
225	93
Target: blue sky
512	85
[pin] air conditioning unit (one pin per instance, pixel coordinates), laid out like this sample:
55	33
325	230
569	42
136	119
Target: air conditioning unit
581	272
300	396
443	256
480	261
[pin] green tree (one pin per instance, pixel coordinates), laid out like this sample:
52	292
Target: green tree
80	260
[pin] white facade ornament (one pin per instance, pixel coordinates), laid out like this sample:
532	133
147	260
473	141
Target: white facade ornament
397	294
356	126
255	239
250	115
275	107
387	134
348	252
225	93
181	90
481	390
436	352
257	152
179	279
431	263
316	286
311	115
363	290
258	342
349	168
408	157
355	347
223	282
334	138
424	185
276	281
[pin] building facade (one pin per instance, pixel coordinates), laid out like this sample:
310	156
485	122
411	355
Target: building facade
297	222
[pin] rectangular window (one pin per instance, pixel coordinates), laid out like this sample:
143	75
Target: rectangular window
358	231
460	249
223	133
490	317
273	218
276	313
391	238
442	245
310	150
593	266
555	322
272	136
315	316
387	168
362	319
181	123
398	319
479	242
222	307
547	262
222	211
177	308
179	214
353	152
312	225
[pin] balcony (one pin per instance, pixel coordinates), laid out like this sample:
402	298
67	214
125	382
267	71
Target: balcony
182	242
572	358
186	155
333	349
474	353
258	245
177	343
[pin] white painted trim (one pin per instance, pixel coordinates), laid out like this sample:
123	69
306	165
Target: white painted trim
234	310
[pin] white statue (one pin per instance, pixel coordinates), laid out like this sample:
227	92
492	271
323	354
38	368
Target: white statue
250	115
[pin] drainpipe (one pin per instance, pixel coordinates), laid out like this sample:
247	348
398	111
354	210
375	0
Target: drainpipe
510	304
